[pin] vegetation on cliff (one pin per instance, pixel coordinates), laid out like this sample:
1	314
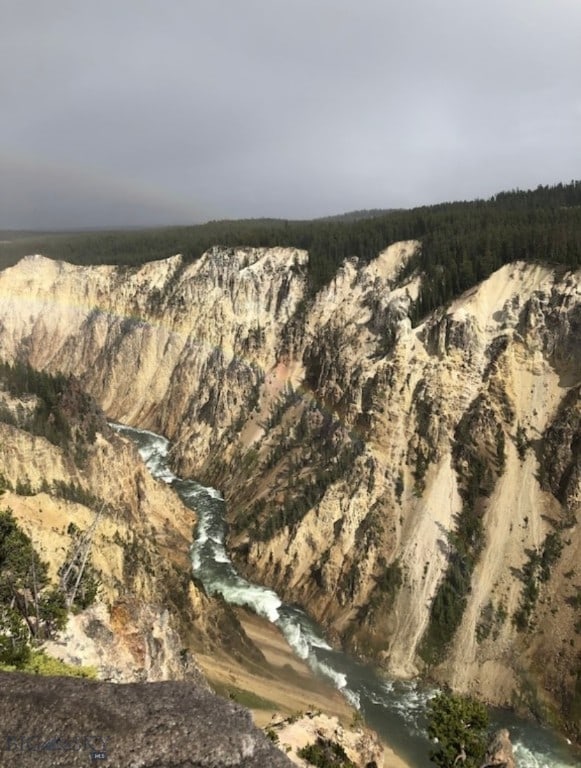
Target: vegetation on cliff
62	411
462	242
326	754
458	725
299	480
477	467
30	607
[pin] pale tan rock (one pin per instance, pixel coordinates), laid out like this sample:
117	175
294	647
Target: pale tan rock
361	745
499	753
203	355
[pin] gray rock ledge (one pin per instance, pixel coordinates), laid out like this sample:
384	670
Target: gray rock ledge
57	721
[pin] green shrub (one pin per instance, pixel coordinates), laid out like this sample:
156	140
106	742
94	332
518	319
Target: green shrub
521	442
326	754
536	571
14	638
30	608
39	663
459	724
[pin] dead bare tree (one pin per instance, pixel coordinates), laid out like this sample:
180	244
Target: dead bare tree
78	560
35	591
461	756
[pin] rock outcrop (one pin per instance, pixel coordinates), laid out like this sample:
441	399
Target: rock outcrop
499	753
359	745
51	722
417	488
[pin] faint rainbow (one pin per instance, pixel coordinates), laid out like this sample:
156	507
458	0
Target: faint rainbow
305	392
87	178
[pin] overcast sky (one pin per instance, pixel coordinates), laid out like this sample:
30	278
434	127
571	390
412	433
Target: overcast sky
127	112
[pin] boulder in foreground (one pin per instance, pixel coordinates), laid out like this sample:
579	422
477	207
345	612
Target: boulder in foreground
53	721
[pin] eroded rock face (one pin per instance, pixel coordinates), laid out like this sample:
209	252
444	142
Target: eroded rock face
499	753
348	444
360	745
51	722
149	615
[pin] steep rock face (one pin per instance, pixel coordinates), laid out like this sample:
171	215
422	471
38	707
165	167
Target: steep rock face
200	337
63	722
147	612
416	488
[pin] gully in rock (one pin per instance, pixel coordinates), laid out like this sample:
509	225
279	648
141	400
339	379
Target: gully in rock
395	709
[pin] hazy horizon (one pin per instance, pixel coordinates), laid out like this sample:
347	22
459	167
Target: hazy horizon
140	227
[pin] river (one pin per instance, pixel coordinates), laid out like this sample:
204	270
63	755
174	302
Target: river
395	709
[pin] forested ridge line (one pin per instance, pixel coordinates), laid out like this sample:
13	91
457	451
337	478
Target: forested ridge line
462	243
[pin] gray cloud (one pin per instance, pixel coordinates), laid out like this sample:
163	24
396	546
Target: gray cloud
147	111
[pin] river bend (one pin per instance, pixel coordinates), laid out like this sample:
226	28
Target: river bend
395	709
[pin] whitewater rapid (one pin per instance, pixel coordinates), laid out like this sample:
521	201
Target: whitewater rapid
395	709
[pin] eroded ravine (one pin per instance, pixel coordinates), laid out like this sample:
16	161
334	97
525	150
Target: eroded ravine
347	440
395	709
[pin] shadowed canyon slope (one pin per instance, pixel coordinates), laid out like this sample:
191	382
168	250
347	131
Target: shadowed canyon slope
416	488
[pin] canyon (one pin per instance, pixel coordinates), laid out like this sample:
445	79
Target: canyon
416	488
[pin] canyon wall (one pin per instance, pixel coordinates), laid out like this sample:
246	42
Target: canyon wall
148	618
417	489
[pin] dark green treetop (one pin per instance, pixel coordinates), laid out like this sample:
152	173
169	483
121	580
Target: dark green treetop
460	726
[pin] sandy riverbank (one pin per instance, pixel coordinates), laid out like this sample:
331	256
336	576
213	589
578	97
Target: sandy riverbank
284	685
